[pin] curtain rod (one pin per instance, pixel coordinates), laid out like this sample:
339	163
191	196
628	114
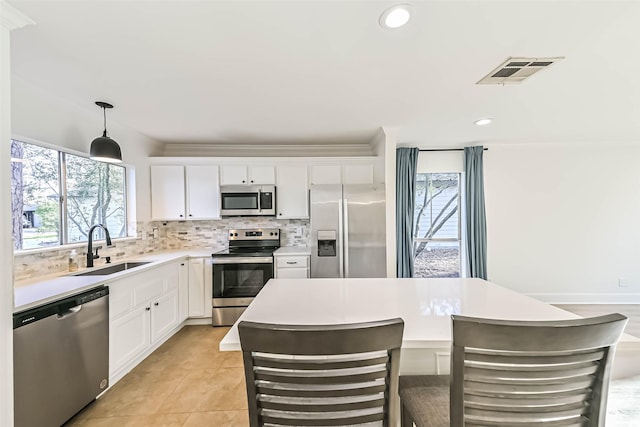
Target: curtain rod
447	149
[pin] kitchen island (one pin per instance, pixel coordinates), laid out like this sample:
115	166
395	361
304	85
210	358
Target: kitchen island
425	305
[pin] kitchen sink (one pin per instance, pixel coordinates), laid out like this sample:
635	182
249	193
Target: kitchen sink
115	268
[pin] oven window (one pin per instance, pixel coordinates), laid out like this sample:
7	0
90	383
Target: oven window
240	280
239	201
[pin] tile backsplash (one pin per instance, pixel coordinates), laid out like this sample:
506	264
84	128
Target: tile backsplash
171	235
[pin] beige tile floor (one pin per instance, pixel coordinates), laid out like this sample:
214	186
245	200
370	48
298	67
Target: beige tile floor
186	382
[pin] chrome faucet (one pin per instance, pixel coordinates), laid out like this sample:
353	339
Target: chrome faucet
90	255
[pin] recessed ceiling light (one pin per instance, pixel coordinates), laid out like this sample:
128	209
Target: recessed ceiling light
396	16
483	122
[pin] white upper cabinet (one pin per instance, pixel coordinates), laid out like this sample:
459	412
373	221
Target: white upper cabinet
292	191
262	175
233	175
346	172
167	192
203	192
326	174
247	175
184	192
357	173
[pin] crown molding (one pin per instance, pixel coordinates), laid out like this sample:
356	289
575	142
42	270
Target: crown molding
11	18
255	150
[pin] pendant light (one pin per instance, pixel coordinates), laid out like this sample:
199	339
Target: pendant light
103	148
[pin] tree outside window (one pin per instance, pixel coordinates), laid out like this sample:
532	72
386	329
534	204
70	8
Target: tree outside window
56	196
437	225
95	195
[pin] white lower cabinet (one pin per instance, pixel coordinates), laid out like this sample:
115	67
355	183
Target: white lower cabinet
129	337
292	267
143	310
200	287
183	291
164	315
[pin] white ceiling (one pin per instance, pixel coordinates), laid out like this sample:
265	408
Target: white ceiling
325	71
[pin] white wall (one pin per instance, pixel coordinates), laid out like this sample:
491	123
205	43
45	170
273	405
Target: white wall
6	249
39	115
378	145
390	191
563	221
10	19
440	162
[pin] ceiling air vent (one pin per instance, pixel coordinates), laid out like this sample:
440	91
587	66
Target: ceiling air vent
516	70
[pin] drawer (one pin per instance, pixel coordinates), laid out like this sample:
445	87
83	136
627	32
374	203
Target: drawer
152	288
293	273
291	261
119	304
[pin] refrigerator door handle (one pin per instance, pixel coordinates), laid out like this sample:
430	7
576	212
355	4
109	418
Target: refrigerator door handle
340	239
346	237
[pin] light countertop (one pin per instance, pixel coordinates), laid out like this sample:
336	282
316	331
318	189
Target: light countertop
42	290
425	305
293	251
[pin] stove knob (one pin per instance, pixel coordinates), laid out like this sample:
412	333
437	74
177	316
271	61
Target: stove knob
271	234
236	234
230	234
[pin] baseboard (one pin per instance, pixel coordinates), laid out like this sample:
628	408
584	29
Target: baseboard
588	298
198	321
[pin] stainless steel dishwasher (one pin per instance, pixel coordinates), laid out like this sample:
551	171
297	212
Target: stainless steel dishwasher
60	357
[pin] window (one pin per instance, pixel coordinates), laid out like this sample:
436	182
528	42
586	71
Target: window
56	197
437	225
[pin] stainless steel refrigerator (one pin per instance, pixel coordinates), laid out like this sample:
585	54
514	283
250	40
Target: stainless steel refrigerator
348	237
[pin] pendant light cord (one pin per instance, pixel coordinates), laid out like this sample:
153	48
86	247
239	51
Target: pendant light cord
104	113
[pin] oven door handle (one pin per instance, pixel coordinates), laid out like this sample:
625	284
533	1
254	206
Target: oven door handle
232	260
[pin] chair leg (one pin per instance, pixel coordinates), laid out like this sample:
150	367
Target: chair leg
405	417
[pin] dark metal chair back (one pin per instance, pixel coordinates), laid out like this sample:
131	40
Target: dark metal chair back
521	373
328	375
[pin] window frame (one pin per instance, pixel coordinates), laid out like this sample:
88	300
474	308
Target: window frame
63	241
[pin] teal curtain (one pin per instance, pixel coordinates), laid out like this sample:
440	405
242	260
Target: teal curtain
406	163
476	233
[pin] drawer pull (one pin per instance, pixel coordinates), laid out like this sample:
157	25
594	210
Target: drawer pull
291	262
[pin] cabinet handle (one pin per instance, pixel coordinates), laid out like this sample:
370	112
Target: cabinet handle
291	262
190	215
156	304
147	308
182	264
243	181
252	181
280	214
181	215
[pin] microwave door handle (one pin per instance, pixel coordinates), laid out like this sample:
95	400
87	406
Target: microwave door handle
259	199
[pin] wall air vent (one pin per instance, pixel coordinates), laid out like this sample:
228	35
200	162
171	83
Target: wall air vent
516	70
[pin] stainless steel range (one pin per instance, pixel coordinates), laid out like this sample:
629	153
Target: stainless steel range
241	271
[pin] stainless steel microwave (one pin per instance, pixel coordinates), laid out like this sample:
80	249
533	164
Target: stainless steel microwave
248	200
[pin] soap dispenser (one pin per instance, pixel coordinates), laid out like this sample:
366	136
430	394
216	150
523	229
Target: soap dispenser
73	261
